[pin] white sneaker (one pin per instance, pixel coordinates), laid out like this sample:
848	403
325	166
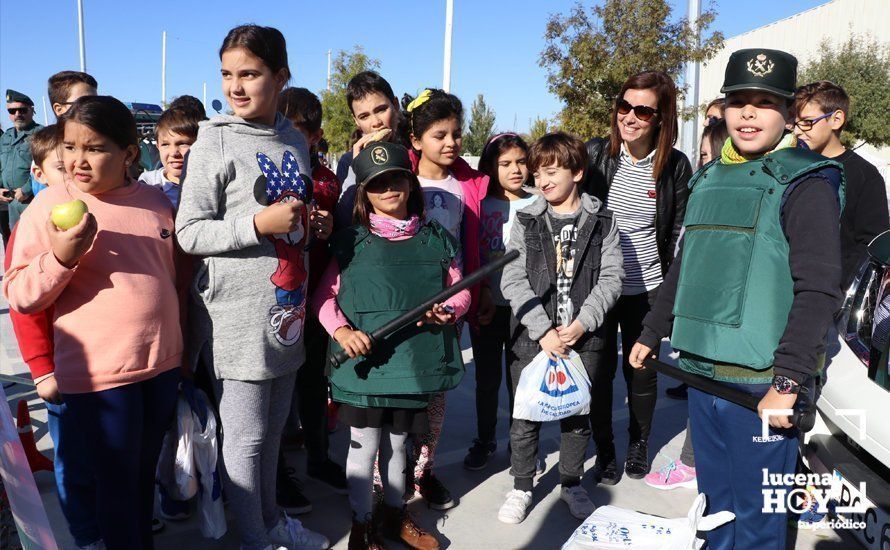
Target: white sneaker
515	508
579	502
289	532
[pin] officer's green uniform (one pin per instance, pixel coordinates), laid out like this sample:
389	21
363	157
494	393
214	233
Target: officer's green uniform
734	316
15	159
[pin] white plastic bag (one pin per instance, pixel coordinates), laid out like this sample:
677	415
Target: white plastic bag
611	527
206	452
552	390
167	461
184	474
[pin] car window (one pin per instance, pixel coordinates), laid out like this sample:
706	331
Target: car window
865	320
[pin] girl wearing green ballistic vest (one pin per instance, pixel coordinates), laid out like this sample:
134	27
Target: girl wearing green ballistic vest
750	296
384	265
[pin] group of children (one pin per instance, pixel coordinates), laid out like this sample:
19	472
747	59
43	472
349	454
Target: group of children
243	260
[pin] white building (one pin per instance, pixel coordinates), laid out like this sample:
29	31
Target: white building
802	35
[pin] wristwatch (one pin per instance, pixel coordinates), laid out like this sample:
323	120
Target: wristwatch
785	385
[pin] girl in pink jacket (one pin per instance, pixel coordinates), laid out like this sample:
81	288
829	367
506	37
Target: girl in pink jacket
453	192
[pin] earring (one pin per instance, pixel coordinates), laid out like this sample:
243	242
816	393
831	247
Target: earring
127	163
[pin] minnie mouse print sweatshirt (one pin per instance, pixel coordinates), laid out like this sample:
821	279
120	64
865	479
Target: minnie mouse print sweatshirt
249	292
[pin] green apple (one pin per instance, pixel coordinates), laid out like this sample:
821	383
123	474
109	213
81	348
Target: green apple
68	214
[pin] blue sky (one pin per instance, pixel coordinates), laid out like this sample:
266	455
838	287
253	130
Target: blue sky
496	44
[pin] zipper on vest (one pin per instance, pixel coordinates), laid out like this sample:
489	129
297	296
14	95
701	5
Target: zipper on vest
732	228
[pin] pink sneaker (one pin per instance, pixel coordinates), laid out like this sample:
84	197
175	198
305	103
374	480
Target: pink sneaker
672	475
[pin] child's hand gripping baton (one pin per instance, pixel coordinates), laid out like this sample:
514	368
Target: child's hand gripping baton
412	316
803	417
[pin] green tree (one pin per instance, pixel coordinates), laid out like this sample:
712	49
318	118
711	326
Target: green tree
481	125
336	115
861	65
538	128
589	53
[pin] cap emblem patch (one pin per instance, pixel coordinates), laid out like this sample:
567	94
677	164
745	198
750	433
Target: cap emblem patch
760	65
379	155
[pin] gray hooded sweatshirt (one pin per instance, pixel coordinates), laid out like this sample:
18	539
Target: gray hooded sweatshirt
249	293
527	305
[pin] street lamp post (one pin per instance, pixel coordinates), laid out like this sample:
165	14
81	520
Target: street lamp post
449	27
691	77
164	69
83	51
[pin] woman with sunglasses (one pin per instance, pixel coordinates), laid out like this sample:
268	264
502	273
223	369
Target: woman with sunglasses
641	177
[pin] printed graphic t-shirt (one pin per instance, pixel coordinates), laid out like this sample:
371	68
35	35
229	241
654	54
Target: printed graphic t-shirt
565	232
497	220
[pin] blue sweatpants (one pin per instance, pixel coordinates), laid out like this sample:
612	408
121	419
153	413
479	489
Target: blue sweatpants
125	427
730	456
74	483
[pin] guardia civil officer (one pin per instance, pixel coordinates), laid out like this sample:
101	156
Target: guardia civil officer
15	155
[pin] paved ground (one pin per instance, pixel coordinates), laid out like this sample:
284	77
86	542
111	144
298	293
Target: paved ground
473	523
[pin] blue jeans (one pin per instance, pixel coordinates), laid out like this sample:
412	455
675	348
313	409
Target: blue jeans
729	464
125	427
77	493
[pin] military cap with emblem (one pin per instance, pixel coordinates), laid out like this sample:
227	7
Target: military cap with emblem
13	96
380	157
772	71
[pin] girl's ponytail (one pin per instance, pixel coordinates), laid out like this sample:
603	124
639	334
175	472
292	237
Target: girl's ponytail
267	43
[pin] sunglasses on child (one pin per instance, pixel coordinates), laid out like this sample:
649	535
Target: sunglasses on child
16	110
642	112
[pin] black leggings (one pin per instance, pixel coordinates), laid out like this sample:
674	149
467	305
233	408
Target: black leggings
489	345
642	384
312	393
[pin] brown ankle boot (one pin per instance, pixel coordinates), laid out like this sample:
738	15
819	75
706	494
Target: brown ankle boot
364	536
397	523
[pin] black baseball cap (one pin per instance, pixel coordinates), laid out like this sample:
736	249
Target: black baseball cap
380	157
772	71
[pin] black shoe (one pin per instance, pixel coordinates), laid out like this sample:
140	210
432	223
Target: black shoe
431	489
479	454
677	392
329	473
157	525
288	493
637	464
605	469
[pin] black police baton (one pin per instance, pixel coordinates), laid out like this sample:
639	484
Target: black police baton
803	418
412	316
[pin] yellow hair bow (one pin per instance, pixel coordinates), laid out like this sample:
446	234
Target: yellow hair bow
420	99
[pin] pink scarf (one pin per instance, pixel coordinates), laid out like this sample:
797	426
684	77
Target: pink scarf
391	228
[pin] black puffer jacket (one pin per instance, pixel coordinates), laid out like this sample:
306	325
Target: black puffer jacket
671	192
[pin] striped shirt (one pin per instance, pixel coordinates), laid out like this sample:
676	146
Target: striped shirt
632	200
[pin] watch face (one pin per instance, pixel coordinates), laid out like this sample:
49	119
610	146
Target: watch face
782	384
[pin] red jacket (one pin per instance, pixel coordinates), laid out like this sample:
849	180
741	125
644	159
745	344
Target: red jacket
33	331
474	185
326	192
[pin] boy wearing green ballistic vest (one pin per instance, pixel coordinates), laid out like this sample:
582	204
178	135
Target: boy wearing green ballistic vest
751	294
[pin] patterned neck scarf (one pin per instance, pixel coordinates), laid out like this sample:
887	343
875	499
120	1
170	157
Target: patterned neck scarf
730	155
391	228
